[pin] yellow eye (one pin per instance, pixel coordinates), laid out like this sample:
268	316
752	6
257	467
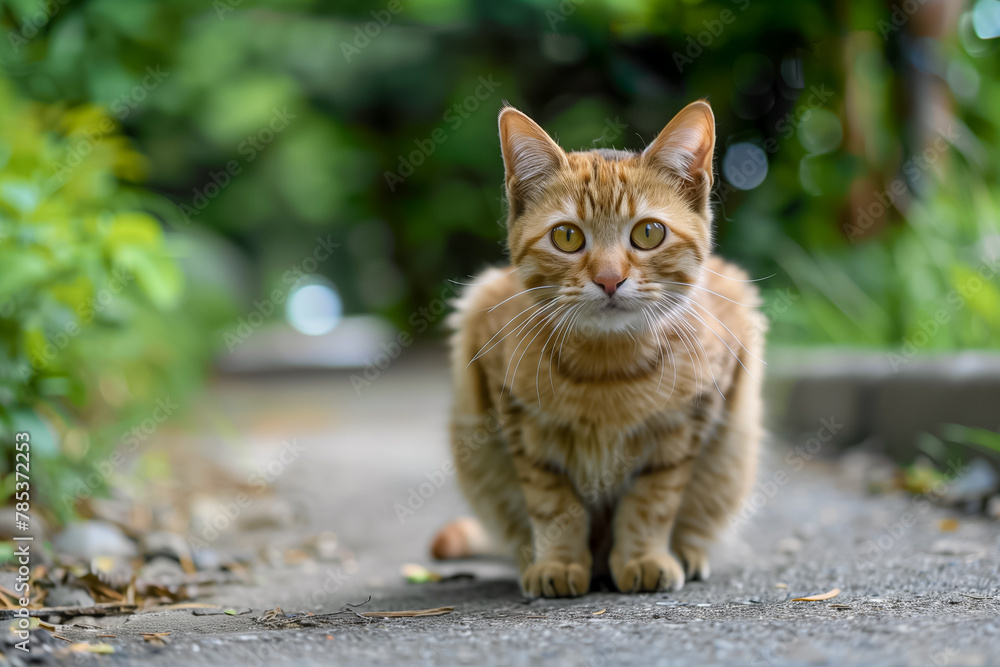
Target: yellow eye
567	237
648	234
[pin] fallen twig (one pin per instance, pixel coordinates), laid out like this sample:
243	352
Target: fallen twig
277	617
437	611
99	609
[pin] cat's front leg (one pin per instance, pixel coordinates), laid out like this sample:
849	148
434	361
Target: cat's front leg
560	562
640	558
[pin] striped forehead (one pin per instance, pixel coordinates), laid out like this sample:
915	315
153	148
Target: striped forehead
602	189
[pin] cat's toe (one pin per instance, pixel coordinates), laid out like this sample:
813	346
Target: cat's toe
555	579
650	573
695	560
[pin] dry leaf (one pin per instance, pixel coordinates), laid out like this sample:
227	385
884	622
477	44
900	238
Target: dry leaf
7	604
155	638
92	648
598	613
437	611
215	611
188	565
271	614
817	598
780	585
948	525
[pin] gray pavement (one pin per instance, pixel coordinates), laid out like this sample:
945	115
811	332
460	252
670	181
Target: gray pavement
912	594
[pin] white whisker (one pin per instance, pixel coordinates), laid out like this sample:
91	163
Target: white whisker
541	354
530	289
518	345
739	280
708	359
688	348
483	349
735	337
548	318
486	282
721	340
672	282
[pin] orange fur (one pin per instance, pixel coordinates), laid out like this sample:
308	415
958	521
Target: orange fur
609	432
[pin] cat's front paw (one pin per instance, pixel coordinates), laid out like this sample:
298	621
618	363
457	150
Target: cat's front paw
647	573
555	579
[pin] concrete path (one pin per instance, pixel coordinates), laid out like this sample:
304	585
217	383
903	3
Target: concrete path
911	593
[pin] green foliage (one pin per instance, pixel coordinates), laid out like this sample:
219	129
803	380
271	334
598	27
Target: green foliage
391	145
931	282
90	336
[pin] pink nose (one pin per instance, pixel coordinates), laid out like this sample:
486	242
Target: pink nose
609	281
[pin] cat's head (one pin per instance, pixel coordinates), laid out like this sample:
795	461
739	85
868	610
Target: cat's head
611	233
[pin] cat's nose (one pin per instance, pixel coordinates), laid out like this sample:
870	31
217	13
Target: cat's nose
609	281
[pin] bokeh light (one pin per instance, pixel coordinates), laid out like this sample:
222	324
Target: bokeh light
745	165
820	131
314	309
986	19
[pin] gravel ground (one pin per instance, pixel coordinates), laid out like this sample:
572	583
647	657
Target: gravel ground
912	594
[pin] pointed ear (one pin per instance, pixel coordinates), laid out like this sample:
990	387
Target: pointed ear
530	158
684	149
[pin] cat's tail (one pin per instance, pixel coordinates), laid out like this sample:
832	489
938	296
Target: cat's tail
462	538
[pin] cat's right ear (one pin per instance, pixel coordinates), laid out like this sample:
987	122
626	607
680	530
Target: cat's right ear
530	158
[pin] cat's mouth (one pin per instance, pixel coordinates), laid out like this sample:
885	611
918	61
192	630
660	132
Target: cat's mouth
616	312
618	304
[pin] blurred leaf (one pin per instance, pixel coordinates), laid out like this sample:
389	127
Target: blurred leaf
967	435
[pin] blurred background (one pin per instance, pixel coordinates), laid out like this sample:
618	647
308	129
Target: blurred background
196	191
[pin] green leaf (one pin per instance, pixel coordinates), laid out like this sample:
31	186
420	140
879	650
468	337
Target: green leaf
43	440
158	276
22	196
6	552
22	270
968	435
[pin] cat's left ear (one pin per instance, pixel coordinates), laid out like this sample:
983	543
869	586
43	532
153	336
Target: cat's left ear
684	149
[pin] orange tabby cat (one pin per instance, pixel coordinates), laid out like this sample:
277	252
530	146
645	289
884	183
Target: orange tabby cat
607	410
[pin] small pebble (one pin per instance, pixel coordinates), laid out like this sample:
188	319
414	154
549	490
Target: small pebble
993	507
91	539
64	596
790	546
